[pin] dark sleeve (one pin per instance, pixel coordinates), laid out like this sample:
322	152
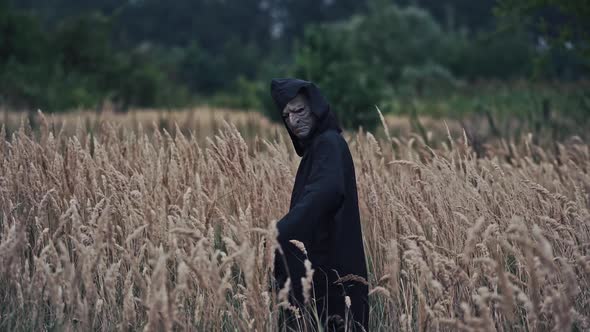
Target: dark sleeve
323	192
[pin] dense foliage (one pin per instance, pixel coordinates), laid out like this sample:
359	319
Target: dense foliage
75	65
62	54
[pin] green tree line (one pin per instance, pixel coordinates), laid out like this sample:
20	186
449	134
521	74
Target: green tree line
63	54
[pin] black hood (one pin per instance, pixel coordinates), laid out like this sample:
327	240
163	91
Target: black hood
283	90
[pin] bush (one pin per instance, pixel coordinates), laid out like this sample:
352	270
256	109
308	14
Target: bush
329	59
75	66
357	62
503	54
372	58
207	72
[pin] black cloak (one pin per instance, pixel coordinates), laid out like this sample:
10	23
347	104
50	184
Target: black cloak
323	213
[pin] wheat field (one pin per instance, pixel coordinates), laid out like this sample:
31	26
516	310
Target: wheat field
125	228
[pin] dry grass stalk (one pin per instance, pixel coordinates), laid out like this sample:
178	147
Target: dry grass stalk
110	226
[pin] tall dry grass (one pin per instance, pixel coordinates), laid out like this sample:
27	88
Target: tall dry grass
201	122
123	229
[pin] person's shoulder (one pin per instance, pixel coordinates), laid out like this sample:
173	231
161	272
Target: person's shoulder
330	139
329	136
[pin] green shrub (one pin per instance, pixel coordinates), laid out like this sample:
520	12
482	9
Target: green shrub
75	66
358	62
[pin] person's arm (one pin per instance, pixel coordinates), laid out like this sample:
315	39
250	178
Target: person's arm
323	193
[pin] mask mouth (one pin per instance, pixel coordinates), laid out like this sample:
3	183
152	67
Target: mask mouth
301	133
298	131
302	128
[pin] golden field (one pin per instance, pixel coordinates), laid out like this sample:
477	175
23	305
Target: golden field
114	223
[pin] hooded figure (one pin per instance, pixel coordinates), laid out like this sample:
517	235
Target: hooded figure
323	215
